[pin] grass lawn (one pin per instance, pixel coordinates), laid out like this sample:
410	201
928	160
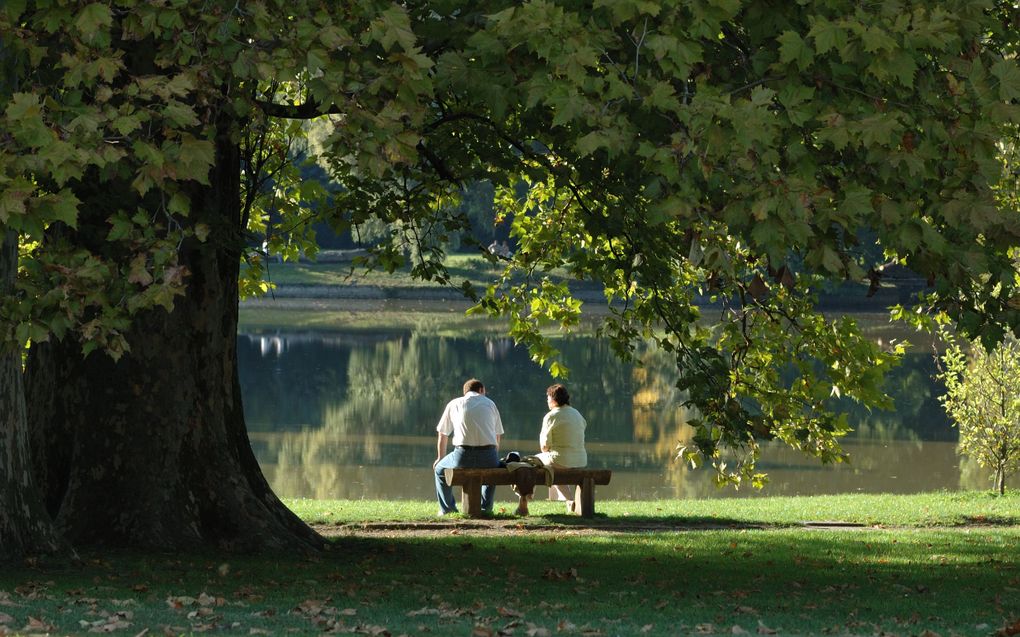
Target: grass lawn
461	266
568	579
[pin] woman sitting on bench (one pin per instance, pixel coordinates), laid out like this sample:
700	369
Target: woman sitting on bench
562	444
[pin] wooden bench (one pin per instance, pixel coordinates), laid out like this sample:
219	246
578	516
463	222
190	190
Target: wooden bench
471	481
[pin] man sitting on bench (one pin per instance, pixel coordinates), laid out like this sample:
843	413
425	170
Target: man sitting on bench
474	423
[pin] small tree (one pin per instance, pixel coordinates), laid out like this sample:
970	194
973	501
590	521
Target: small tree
983	399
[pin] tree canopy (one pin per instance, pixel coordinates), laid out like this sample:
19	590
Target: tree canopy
724	154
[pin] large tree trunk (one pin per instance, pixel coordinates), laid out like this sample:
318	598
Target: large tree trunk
25	527
152	450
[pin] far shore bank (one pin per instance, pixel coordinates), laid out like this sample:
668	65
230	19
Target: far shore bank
848	298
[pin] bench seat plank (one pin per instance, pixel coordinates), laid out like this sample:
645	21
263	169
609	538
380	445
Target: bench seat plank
471	481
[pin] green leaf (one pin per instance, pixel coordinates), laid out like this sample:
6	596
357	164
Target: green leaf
827	35
761	96
201	231
63	207
590	143
1008	73
196	159
793	48
13	8
91	18
876	39
856	203
830	260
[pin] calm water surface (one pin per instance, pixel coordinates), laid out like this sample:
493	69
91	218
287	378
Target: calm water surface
349	411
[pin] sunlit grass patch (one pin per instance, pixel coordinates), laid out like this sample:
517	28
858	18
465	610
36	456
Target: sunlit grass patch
941	508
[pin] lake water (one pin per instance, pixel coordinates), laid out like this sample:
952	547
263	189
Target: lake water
347	409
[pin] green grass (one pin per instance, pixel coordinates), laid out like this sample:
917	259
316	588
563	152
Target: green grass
563	581
917	510
461	266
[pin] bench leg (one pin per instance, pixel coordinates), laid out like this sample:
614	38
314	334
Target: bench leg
471	498
586	494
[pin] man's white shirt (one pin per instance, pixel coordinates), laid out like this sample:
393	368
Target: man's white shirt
472	420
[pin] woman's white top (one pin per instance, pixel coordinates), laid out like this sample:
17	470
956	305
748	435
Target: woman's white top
563	433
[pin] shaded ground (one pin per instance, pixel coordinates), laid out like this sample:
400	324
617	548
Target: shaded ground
520	527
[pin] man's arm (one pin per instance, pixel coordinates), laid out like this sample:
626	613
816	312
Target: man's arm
440	448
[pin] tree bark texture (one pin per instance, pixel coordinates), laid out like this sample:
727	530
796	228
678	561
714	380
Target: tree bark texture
25	526
152	451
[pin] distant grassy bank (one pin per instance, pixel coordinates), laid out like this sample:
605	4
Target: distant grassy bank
471	267
583	582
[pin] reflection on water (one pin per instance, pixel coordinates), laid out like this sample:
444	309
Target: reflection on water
352	413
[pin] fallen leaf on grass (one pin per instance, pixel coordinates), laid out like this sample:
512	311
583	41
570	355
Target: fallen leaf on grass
928	633
765	630
647	628
1009	630
537	631
482	631
208	600
565	625
38	626
704	629
5	618
554	575
508	612
738	630
204	628
109	627
179	602
260	631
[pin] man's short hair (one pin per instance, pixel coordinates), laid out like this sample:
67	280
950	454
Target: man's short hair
474	385
559	394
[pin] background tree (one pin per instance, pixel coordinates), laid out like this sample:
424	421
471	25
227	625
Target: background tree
983	399
733	152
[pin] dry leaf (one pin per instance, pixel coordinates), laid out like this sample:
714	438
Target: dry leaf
5	618
1009	630
647	628
178	603
482	631
38	626
704	629
110	627
765	630
738	630
508	612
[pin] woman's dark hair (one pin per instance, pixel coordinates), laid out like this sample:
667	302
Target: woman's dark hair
559	394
